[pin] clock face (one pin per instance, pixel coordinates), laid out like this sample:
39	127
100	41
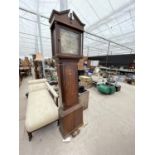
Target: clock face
69	42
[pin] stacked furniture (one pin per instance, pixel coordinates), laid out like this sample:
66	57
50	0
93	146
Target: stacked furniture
24	68
38	65
42	106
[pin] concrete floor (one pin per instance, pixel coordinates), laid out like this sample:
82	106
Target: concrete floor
109	127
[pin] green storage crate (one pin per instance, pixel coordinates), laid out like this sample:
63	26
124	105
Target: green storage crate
106	89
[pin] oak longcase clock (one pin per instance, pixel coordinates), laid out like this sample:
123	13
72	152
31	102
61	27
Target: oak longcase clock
67	48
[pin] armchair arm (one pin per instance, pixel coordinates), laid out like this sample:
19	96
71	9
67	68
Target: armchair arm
53	92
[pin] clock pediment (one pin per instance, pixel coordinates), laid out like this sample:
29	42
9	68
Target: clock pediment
68	18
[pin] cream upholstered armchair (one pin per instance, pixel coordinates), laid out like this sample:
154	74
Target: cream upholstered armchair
42	106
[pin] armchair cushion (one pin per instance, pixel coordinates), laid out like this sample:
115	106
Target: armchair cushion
37	81
41	110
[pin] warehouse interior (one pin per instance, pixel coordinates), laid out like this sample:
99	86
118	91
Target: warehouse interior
76	77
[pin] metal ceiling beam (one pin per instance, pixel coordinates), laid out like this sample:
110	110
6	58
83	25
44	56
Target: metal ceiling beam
125	7
98	42
123	35
85	31
100	46
32	12
108	40
124	21
32	20
33	35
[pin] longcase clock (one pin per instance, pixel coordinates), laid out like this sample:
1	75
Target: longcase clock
67	48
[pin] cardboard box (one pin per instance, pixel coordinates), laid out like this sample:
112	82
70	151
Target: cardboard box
86	81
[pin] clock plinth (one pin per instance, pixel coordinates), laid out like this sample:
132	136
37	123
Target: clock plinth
70	119
67	43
